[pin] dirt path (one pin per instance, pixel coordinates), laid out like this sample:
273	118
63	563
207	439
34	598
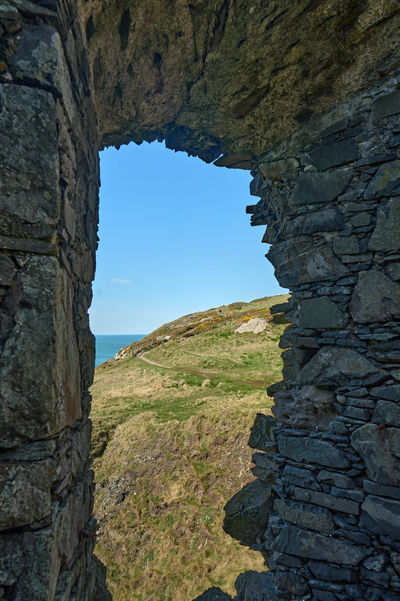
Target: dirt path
193	370
143	358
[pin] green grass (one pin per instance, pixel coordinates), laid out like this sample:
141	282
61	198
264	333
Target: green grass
170	448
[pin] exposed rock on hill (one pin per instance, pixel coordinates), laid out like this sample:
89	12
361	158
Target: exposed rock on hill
254	325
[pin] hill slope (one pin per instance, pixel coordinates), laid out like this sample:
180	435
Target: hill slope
170	448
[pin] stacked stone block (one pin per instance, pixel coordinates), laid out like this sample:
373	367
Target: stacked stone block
329	459
48	222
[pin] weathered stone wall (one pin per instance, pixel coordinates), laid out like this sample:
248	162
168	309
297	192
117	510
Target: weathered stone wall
231	76
48	220
306	92
327	516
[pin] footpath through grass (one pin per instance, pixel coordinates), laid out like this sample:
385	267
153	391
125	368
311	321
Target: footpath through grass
170	448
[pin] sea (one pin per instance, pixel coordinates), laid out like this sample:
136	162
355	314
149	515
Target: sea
108	345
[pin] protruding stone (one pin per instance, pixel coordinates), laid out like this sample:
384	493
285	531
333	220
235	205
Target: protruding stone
255	586
291	582
274	170
246	514
387	105
381	516
32	8
311	545
307	407
393	492
393	271
38	56
213	594
328	219
31	562
311	450
330	573
386	181
29	116
101	592
389	393
25	492
385	236
331	502
305	515
300	261
293	360
333	366
7	269
261	432
335	479
347	245
320	313
319	187
375	298
241	160
300	477
380	450
337	153
40	375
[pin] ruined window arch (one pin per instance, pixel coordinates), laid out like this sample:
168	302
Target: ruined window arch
305	95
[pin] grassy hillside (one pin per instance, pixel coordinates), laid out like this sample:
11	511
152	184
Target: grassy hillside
170	448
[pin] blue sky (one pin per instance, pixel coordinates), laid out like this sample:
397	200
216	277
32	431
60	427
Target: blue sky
174	239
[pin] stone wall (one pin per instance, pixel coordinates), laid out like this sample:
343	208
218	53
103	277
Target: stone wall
327	516
321	129
48	220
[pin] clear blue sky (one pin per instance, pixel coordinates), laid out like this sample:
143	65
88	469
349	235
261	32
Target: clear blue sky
174	239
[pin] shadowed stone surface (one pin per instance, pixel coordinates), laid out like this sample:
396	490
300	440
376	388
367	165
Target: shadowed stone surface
213	594
305	515
380	449
311	450
303	543
381	515
226	77
246	514
320	313
301	261
375	298
307	407
338	366
319	187
257	586
385	235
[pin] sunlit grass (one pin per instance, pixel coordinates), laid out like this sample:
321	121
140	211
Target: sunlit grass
170	448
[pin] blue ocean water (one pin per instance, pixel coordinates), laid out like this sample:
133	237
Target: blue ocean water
108	345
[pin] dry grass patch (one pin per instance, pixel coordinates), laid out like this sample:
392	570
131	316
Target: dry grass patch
170	448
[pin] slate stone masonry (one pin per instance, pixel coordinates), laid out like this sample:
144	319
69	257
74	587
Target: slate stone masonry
48	222
330	458
324	509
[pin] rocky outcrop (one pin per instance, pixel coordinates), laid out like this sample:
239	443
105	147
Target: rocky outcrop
254	325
